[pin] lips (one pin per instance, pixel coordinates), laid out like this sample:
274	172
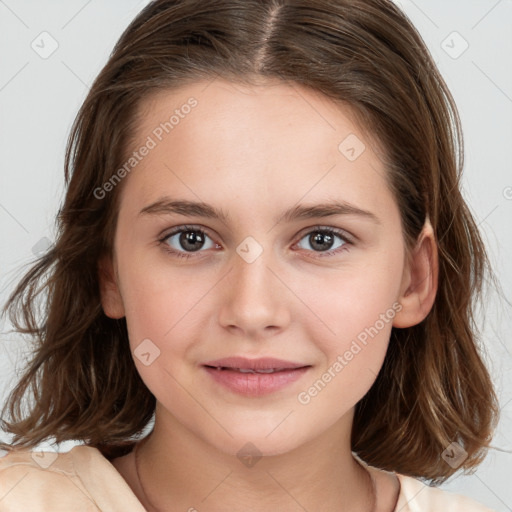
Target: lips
254	377
254	383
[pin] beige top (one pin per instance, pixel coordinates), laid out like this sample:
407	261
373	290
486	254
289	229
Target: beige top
83	480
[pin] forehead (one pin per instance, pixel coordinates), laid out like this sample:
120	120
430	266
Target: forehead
251	106
212	138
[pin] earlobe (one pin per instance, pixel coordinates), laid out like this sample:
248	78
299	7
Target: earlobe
419	282
111	299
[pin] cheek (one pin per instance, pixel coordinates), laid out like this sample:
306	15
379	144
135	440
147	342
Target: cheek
158	299
157	315
163	308
360	322
356	306
354	302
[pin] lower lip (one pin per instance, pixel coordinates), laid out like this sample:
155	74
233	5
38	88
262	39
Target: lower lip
255	384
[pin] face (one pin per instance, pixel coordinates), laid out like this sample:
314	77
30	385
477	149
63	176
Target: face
318	288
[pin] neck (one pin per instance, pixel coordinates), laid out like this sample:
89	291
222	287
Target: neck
178	471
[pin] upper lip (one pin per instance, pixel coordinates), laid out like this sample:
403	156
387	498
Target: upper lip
263	363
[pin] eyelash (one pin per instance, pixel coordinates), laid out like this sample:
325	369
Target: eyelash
316	229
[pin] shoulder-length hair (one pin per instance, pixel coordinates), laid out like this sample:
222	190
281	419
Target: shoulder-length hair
433	388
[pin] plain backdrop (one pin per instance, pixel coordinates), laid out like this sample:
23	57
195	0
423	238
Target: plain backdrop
471	42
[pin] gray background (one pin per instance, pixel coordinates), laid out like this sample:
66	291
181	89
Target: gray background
39	98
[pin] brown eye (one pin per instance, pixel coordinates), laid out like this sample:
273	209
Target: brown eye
186	240
324	240
191	240
321	241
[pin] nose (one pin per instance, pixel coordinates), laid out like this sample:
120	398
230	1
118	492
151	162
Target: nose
255	301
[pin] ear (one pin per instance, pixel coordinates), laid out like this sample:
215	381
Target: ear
419	281
111	299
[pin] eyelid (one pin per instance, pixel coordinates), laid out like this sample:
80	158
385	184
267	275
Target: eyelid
344	234
184	227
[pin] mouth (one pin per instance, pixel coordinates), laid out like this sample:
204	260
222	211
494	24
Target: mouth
246	378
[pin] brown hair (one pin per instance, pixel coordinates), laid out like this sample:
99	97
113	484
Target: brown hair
433	388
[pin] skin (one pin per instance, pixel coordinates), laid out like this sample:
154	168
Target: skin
254	152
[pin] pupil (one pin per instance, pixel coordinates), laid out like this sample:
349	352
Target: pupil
320	239
191	240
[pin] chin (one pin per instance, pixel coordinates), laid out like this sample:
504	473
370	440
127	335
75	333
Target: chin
256	444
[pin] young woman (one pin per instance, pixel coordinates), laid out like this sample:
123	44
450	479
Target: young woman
263	249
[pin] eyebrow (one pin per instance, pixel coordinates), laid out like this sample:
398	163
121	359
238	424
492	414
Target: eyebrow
166	205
